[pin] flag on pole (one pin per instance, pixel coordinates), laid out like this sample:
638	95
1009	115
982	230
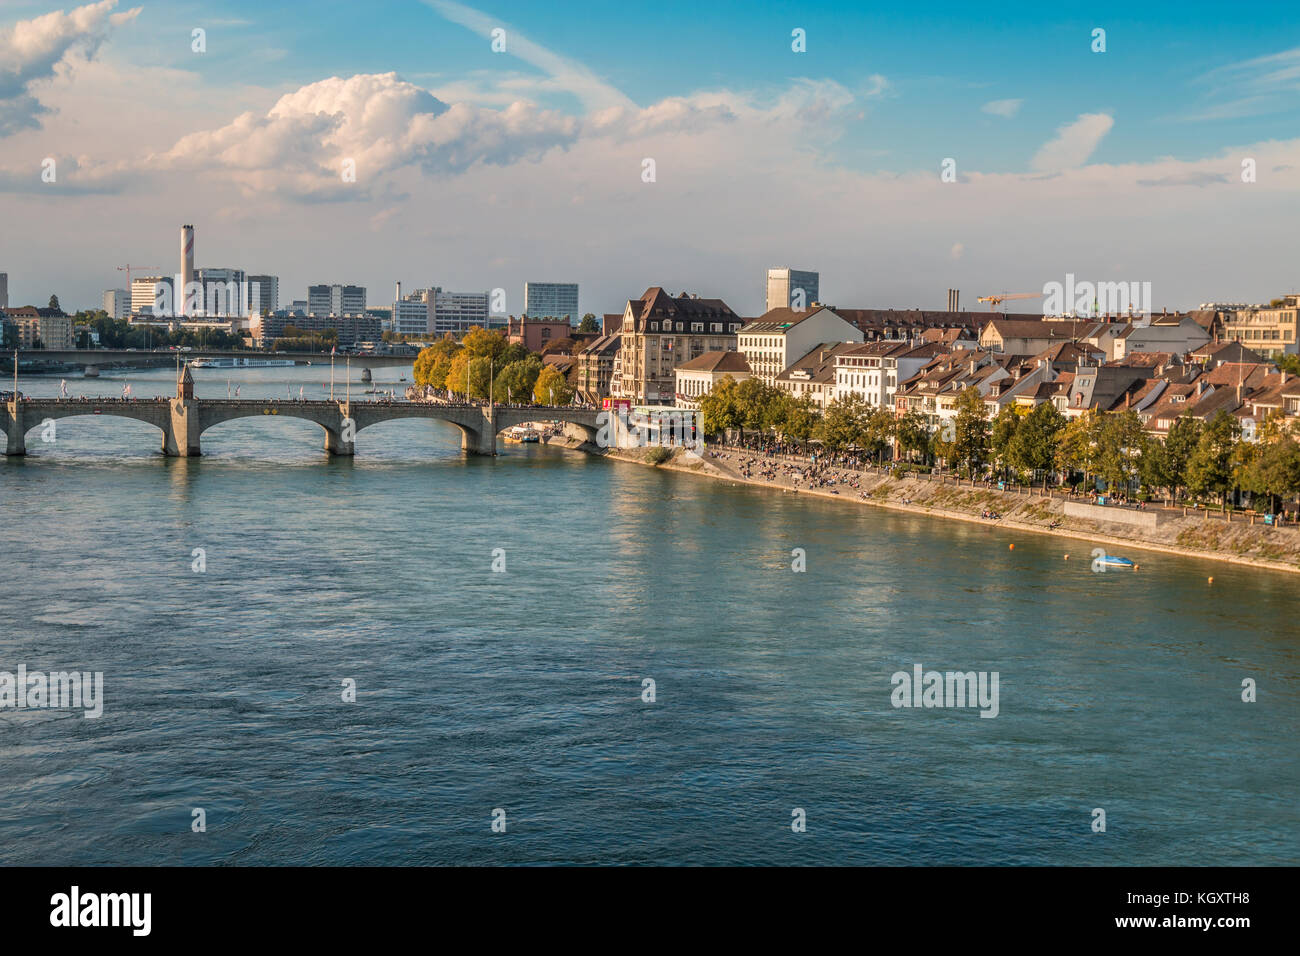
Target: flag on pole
236	391
126	390
300	393
63	388
333	349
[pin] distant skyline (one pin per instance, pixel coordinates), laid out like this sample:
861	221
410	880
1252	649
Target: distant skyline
478	170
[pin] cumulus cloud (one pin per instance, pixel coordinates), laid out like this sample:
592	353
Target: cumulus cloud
1073	144
32	51
379	122
1003	108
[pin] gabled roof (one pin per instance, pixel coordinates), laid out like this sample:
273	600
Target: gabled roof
716	362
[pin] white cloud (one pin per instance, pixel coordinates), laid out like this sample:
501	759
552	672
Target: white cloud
1003	108
32	51
379	121
957	251
1073	144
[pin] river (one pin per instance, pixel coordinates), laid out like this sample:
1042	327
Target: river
522	690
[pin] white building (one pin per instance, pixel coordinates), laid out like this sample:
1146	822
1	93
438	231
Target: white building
336	299
457	312
117	303
775	339
412	314
551	300
697	377
792	288
146	290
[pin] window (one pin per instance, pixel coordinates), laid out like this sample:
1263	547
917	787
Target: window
697	326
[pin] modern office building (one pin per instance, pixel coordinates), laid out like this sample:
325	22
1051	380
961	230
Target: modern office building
117	303
4	290
792	289
551	300
412	313
145	291
265	293
457	312
336	299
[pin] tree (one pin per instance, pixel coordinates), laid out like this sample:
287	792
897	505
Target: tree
843	426
971	430
1033	447
516	382
720	409
588	323
878	432
1184	435
54	303
481	343
800	420
468	374
1120	442
1210	466
1076	448
757	404
1002	434
912	434
551	387
434	362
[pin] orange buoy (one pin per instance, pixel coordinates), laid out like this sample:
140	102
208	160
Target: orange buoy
1211	580
1011	547
1067	557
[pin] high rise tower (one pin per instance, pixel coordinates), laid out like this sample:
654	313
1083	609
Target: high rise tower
187	267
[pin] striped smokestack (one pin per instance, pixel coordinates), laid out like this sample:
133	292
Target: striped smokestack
187	267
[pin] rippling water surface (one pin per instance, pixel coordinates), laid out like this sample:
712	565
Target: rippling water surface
522	691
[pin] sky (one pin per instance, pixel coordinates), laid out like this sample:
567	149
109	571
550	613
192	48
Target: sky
1164	150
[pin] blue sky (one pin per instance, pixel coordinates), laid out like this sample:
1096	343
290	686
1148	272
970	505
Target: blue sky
761	142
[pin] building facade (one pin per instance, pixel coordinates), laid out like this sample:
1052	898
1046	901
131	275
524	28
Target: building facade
1269	330
336	299
696	378
264	294
775	339
661	332
596	368
457	312
536	334
117	303
551	300
792	289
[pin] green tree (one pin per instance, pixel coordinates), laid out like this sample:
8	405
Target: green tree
1076	448
844	425
758	404
1210	466
971	430
54	303
1033	447
516	382
912	434
720	409
1002	434
800	421
1120	443
588	323
551	387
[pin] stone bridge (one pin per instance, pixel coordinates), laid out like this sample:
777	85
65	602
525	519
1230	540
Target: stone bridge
182	421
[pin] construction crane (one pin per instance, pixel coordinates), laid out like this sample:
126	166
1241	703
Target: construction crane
995	300
127	269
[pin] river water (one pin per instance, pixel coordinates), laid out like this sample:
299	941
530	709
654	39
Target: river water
522	690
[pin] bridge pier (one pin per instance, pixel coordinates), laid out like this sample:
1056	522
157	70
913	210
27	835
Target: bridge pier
15	430
181	440
335	444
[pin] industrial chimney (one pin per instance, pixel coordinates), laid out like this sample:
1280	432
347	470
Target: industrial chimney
187	268
954	300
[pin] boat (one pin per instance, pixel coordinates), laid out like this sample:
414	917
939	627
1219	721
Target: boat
522	435
204	363
1114	561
